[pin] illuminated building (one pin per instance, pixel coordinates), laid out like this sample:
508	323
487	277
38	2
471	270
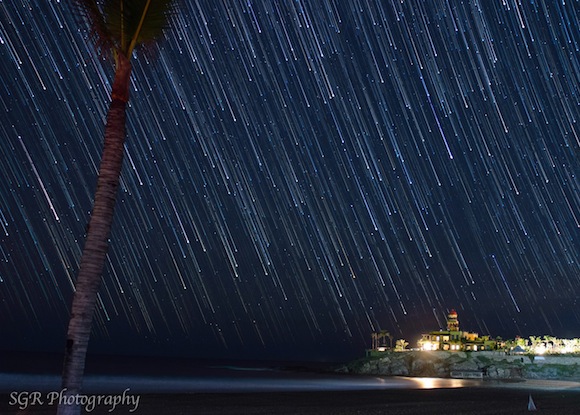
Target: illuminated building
454	339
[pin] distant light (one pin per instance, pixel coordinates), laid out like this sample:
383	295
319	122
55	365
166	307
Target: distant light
541	349
429	346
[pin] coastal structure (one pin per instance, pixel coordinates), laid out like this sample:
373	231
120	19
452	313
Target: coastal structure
379	341
454	339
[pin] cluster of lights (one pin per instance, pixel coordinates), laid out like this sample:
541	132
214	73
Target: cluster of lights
435	346
541	349
430	346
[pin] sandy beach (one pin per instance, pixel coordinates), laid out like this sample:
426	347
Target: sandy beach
212	388
387	402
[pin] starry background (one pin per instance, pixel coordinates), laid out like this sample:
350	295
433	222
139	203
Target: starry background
297	175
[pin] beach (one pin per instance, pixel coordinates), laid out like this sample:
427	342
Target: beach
185	387
440	401
386	402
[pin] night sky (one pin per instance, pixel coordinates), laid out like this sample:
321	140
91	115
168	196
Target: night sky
297	174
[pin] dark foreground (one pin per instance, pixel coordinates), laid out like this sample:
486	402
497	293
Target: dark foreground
386	402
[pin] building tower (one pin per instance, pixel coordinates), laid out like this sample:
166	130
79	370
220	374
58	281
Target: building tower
452	322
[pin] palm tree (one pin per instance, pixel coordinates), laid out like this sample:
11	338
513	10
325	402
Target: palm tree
117	27
401	345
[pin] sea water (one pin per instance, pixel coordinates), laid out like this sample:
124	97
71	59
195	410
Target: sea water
226	382
22	372
162	375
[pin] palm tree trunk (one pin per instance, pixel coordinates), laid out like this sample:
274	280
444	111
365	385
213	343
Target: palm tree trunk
97	242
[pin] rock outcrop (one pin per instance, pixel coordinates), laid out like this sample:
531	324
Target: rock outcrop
491	365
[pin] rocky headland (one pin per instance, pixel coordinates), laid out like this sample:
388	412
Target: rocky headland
486	364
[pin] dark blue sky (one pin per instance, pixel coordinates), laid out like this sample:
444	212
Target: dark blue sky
297	175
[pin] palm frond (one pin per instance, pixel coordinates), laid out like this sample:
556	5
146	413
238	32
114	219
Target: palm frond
154	18
125	24
99	33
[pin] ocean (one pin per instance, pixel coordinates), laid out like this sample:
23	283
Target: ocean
160	386
111	374
41	371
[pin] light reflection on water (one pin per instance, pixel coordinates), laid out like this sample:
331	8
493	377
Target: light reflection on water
438	383
258	382
248	382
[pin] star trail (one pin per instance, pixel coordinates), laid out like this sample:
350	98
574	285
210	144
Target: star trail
298	174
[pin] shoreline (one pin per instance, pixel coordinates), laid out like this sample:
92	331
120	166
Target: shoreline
488	365
271	382
368	394
388	402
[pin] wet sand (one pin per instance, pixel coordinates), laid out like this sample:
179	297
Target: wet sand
385	402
